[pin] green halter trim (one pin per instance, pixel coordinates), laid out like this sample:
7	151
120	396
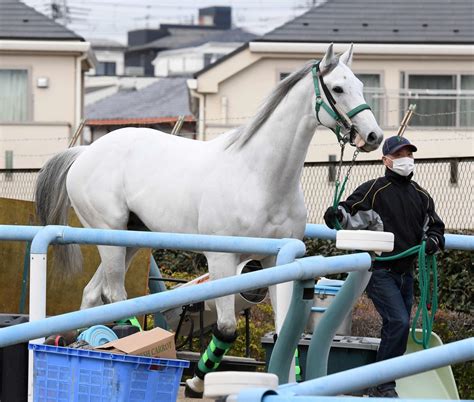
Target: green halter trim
331	108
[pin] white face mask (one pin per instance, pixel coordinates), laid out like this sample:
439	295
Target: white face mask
403	166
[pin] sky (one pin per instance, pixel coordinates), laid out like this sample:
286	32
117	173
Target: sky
111	19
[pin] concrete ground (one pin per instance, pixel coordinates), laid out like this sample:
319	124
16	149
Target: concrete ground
181	397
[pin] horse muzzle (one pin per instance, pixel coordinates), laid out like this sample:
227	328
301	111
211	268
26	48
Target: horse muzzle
369	144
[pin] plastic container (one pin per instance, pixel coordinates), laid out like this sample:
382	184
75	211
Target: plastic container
66	375
324	293
346	352
13	364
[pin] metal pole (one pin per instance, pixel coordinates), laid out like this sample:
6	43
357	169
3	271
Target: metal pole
17	232
318	351
453	241
247	332
388	370
305	268
286	313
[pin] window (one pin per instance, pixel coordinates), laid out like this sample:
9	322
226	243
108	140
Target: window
13	95
441	100
373	93
105	68
466	103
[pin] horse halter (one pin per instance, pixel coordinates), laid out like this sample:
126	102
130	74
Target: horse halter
342	119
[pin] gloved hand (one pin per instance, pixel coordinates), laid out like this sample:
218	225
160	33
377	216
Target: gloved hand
330	216
432	245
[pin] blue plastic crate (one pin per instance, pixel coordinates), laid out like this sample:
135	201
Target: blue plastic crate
81	375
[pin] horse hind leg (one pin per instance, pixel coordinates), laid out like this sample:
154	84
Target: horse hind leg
94	294
107	285
114	264
220	265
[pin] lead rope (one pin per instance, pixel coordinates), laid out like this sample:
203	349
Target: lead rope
338	191
427	269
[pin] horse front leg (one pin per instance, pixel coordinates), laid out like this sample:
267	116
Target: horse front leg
280	301
224	334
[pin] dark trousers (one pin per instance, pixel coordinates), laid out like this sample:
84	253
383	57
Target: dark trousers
392	295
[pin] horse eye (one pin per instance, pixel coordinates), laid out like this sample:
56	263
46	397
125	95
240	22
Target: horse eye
338	90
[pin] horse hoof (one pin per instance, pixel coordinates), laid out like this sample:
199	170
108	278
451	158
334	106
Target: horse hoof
190	393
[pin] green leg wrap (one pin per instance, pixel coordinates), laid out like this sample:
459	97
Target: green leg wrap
297	366
214	353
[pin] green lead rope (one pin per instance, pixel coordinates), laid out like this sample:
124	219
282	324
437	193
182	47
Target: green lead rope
430	269
337	198
427	268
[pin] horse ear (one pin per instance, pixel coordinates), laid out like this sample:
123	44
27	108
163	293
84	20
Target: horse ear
329	61
346	57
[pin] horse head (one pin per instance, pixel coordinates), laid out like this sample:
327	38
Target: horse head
340	103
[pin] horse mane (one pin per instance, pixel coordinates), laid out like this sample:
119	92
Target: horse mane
242	134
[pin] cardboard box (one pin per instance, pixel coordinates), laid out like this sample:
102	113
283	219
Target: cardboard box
154	343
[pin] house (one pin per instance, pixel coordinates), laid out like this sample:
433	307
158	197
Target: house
192	47
158	105
405	52
110	56
200	53
145	44
42	66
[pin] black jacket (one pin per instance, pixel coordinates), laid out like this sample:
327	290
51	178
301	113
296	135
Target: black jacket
396	204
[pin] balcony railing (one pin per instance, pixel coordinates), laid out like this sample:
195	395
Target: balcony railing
435	108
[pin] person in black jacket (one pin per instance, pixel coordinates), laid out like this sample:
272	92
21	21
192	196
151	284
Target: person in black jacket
393	203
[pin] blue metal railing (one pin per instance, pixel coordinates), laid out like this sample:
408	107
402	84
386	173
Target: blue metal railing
301	269
285	249
366	376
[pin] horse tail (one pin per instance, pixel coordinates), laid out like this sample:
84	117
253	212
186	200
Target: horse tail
53	203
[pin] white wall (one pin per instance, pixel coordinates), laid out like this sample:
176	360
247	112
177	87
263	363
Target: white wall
189	60
52	110
114	56
234	89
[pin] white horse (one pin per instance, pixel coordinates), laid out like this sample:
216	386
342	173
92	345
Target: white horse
246	182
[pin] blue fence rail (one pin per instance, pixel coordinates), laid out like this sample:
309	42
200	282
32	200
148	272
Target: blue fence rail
301	269
363	377
286	251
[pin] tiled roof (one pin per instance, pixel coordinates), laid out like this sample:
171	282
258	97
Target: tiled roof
101	43
167	98
188	37
19	21
382	21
